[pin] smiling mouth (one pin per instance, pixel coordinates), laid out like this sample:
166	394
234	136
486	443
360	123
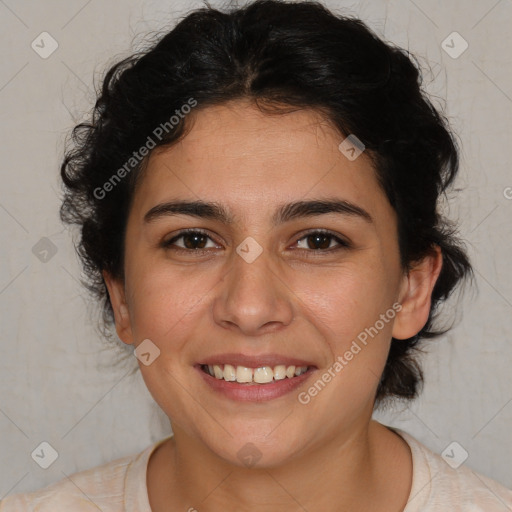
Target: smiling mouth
259	375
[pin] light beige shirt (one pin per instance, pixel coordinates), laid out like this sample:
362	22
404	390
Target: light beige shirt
120	486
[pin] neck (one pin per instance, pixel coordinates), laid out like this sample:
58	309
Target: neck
352	469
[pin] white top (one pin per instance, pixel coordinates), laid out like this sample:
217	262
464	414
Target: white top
120	485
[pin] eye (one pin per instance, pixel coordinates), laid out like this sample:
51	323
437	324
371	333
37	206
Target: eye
196	240
320	241
193	240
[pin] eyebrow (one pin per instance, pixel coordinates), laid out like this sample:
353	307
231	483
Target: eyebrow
284	213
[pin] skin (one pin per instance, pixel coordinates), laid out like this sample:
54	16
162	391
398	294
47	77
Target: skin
295	299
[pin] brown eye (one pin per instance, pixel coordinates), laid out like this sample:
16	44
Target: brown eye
193	240
321	241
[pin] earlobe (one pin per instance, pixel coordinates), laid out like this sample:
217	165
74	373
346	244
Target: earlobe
121	313
416	295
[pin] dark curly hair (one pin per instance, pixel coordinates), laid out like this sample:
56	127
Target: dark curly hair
282	56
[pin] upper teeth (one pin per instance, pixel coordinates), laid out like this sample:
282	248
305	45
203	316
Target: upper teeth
261	375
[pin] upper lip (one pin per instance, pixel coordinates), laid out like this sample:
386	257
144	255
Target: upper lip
253	361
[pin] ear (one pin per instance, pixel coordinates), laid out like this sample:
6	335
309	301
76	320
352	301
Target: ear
416	295
118	300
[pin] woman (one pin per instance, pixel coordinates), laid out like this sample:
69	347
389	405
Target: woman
257	196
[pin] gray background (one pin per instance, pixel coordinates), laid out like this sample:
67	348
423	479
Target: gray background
58	382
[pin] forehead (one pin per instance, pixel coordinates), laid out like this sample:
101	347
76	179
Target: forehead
239	156
231	129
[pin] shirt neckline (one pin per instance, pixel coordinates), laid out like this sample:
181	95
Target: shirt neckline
139	501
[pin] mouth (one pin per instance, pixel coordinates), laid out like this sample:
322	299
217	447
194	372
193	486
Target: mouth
258	375
253	378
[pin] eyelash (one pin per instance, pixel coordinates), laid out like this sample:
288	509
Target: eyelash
168	244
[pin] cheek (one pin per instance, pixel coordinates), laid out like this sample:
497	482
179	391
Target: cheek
163	296
167	305
346	307
346	300
354	309
346	311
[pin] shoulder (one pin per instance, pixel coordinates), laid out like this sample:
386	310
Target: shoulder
99	488
440	485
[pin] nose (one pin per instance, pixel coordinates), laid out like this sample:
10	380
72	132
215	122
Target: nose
253	297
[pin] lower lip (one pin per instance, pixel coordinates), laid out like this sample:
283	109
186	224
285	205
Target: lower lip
254	392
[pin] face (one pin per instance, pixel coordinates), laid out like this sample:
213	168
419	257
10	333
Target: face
266	286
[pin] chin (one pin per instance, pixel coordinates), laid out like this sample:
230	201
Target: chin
261	451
